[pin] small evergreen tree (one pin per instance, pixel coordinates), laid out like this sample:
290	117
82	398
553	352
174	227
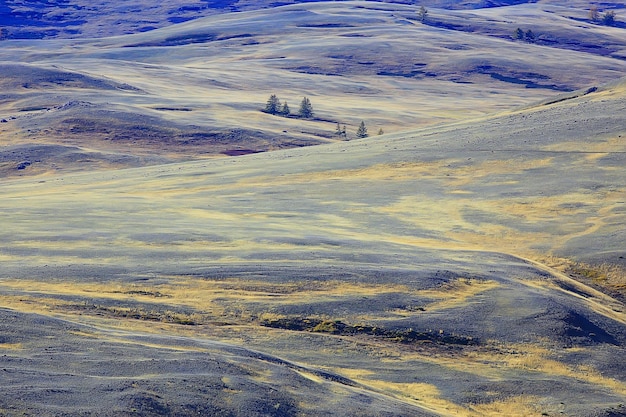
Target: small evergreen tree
273	105
609	18
306	110
519	34
594	15
422	14
530	36
341	130
381	131
338	130
362	131
285	111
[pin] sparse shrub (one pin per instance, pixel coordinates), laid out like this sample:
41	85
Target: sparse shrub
362	131
338	327
338	130
381	131
341	130
329	326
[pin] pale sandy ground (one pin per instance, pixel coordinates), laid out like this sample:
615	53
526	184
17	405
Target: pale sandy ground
178	289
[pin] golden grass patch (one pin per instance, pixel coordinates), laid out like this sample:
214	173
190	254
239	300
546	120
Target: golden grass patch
467	174
457	293
429	397
535	358
211	300
11	346
601	146
520	406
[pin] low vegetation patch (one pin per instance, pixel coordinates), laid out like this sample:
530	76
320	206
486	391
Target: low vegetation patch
137	314
604	276
338	327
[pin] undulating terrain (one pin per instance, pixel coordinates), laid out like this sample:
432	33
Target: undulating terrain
468	261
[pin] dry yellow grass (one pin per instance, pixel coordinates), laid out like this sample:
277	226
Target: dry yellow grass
429	397
520	406
11	346
457	293
603	275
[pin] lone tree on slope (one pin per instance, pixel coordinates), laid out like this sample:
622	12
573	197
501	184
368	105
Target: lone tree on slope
422	14
273	105
594	14
306	110
362	130
609	18
341	130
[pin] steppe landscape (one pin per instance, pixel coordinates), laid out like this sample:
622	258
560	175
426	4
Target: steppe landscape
170	249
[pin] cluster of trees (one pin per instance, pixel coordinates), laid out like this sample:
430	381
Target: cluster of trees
275	107
608	18
361	131
527	36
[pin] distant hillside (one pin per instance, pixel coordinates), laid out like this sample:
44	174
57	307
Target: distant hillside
196	89
33	19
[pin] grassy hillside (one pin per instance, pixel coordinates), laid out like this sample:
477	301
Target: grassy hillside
468	262
408	261
195	90
88	19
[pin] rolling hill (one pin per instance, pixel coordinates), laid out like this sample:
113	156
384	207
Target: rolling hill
469	262
195	90
401	270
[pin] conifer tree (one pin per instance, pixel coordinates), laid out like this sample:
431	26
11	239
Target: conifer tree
285	111
381	131
306	110
362	131
422	14
341	130
273	105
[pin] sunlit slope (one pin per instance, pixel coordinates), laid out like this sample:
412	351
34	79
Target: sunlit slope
402	263
540	180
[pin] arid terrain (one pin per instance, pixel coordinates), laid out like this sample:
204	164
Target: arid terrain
168	248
